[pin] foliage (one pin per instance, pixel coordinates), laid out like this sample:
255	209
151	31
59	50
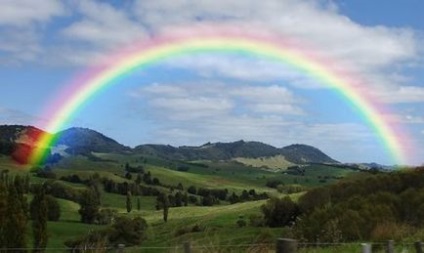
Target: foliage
359	209
128	231
38	209
280	212
13	212
89	203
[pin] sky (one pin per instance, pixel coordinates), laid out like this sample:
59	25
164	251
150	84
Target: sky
220	97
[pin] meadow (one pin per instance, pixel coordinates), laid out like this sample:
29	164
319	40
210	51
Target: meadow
203	226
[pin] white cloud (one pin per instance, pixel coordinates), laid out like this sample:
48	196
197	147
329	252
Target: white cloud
19	45
402	94
104	26
370	53
204	99
190	108
21	25
25	12
315	25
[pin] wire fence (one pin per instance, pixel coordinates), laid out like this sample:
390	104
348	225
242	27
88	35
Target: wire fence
281	246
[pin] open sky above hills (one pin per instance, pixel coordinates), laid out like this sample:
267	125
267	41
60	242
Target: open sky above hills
194	99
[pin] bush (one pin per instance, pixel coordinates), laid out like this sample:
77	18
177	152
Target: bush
256	220
106	216
241	223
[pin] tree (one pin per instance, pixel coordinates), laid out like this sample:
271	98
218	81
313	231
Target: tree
192	189
163	202
15	224
128	231
138	204
129	202
89	206
280	212
3	211
38	209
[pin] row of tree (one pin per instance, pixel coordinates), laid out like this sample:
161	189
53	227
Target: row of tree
15	213
372	207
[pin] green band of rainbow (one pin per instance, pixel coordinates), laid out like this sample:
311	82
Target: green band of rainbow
162	49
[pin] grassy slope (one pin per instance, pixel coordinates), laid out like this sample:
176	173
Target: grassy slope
219	221
276	163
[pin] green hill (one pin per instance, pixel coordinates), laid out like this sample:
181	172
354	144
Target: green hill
85	141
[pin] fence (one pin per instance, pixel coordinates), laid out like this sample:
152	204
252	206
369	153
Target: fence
282	245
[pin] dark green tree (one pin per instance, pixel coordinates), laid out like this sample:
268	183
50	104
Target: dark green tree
89	206
162	201
280	212
38	210
129	202
3	212
16	221
138	204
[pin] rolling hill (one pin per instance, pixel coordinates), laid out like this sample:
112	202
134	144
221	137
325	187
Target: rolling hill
296	153
83	141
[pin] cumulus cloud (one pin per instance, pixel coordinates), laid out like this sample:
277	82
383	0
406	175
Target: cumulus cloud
181	101
402	94
25	12
20	26
103	26
311	22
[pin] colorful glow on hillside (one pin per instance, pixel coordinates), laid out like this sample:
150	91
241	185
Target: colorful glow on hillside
327	72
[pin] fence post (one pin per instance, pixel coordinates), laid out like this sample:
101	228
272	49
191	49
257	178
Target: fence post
390	246
120	248
366	248
285	245
187	247
419	247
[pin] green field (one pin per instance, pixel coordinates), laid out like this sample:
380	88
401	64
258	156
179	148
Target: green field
273	163
202	226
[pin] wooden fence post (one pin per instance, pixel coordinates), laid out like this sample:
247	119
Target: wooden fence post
366	248
285	245
187	247
390	246
120	248
419	247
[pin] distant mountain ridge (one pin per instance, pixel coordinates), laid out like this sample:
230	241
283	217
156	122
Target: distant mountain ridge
296	153
84	141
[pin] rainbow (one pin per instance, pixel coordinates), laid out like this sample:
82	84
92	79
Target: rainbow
267	46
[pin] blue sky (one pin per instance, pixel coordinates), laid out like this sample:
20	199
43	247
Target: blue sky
194	99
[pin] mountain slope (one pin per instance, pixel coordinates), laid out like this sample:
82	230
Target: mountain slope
300	153
83	140
296	153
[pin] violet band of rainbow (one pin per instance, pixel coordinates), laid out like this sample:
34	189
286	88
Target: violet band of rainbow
96	79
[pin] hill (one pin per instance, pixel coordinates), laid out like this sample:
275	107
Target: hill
300	153
297	153
19	134
84	140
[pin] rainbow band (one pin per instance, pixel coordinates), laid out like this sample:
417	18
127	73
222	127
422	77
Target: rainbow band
162	49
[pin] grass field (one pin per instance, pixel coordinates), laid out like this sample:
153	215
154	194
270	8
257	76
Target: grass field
274	163
202	226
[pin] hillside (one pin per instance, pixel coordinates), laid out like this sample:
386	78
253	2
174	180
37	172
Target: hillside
300	153
19	134
83	141
297	153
